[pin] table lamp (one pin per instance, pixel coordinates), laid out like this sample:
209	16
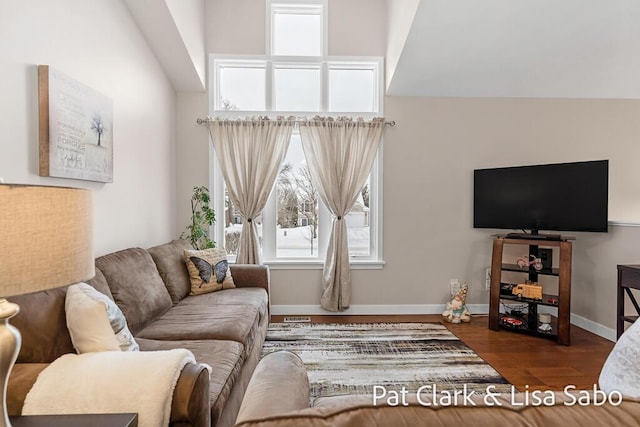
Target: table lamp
46	242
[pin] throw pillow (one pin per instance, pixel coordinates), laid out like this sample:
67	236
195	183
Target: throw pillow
209	270
95	322
620	371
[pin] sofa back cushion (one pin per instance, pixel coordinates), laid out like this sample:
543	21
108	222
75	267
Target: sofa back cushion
43	326
136	286
99	283
169	259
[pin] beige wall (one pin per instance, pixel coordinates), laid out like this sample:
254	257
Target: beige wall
429	158
192	157
235	27
99	45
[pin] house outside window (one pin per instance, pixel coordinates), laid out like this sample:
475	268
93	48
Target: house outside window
298	78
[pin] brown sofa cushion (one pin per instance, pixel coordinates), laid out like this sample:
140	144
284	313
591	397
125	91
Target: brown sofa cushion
234	322
43	326
252	296
282	370
225	358
278	395
477	414
100	284
136	286
169	259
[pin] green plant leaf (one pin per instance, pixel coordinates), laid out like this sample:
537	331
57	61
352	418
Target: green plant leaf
202	218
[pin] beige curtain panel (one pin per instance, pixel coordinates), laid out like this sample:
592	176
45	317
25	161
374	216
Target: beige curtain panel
250	152
339	153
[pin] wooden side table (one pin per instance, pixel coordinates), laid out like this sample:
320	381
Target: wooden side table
628	278
81	420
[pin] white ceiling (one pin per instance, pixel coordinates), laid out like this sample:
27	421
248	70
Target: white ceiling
175	31
521	48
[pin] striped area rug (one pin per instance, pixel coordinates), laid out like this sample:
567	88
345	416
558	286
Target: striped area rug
351	358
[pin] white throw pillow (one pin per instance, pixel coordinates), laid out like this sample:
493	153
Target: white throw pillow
95	322
621	371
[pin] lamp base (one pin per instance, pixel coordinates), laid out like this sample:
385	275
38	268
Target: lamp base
10	341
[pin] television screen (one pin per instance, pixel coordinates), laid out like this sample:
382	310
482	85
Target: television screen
562	196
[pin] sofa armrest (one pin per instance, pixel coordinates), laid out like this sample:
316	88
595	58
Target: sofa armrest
189	407
23	376
279	384
190	404
251	276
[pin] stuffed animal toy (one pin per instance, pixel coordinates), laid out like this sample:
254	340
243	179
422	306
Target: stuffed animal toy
457	311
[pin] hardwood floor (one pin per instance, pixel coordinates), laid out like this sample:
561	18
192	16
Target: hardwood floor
527	362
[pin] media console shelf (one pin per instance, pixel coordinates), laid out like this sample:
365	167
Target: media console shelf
560	326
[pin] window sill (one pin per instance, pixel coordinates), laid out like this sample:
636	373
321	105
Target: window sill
319	265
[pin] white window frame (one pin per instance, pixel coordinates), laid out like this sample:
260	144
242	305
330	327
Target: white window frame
303	64
325	63
320	7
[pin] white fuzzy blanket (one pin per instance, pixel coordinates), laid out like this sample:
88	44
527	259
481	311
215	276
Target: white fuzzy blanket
110	382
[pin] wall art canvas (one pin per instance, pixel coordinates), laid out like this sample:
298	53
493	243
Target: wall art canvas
76	128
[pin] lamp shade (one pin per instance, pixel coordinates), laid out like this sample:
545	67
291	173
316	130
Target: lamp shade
46	238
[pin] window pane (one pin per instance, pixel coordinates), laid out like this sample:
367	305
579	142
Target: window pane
352	90
358	229
242	88
297	89
296	206
297	34
233	226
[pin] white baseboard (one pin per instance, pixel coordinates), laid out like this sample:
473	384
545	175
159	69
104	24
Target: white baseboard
384	309
594	327
380	309
359	309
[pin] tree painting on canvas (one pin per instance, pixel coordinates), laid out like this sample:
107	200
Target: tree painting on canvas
76	128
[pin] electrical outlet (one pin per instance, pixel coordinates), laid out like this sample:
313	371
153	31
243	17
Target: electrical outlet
454	286
487	279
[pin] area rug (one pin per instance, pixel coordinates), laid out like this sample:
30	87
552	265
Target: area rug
352	358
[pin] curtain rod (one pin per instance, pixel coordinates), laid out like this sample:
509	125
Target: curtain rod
204	120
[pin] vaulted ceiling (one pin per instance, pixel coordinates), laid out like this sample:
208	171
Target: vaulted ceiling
519	48
463	48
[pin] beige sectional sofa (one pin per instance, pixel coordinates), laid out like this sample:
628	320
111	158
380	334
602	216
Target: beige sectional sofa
224	329
278	395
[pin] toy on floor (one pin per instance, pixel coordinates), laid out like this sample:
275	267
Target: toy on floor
457	311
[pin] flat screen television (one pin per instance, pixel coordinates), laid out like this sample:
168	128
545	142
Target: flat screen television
559	197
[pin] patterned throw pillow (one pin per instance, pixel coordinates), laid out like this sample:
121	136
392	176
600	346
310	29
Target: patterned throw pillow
208	270
620	371
95	322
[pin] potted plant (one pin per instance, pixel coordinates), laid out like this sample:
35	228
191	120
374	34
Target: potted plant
202	218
